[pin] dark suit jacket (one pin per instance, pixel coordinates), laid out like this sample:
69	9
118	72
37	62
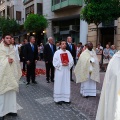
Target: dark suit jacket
22	52
73	51
48	54
29	54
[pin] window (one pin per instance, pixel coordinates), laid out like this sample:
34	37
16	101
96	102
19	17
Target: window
39	8
18	15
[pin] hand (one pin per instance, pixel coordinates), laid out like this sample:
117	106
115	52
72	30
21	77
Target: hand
10	60
65	64
35	61
28	62
46	62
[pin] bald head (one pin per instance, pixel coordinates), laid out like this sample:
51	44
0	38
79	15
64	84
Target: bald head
90	46
69	39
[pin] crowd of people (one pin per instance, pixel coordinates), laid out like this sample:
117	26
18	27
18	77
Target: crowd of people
59	61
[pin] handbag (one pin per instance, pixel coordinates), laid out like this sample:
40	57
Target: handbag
105	61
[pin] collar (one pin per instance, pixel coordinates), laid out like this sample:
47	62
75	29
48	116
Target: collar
69	43
31	44
50	44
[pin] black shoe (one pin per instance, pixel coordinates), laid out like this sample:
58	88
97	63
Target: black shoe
86	96
67	102
59	103
1	118
48	81
27	83
52	80
72	80
34	82
12	114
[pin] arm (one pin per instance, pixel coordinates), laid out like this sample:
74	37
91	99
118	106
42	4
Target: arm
110	54
56	62
18	57
25	51
71	61
45	54
104	53
100	52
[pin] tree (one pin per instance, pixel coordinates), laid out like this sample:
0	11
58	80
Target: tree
8	26
97	11
35	23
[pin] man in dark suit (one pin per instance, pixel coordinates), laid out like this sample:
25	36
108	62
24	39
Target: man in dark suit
49	51
31	57
71	47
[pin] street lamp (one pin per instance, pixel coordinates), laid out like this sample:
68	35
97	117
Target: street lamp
44	32
33	33
28	34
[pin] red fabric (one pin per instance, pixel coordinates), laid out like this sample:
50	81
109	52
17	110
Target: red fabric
38	71
64	58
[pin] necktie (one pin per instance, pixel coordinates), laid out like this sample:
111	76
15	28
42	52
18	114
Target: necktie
33	48
52	48
70	47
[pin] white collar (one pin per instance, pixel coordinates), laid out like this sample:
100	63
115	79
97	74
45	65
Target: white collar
31	44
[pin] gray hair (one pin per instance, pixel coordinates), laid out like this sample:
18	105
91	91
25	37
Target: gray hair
50	38
31	37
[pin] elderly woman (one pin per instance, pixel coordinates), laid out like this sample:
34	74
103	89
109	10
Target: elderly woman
106	56
112	51
99	52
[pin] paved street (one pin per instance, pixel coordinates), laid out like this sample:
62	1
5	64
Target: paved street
36	102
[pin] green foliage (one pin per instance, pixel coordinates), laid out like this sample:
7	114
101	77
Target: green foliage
35	23
8	26
97	11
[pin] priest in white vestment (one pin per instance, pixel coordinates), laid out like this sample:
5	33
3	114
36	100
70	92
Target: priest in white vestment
109	104
10	73
87	72
62	75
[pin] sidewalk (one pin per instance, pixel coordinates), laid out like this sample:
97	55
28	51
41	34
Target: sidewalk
36	102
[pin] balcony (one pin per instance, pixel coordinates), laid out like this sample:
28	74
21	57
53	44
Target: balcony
26	1
61	4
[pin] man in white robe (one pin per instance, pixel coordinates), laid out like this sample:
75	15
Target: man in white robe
62	75
10	73
109	104
87	72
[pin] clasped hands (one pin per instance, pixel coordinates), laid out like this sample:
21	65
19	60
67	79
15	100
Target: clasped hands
64	64
10	60
28	62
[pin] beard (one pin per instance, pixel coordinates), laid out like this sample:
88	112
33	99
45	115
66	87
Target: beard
90	49
6	43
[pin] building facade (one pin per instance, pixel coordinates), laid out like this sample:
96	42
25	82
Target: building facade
108	33
64	19
12	9
32	6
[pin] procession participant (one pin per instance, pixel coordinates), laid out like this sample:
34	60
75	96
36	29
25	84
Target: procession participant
10	73
87	71
62	61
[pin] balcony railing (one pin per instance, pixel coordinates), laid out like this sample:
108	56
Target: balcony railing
60	4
